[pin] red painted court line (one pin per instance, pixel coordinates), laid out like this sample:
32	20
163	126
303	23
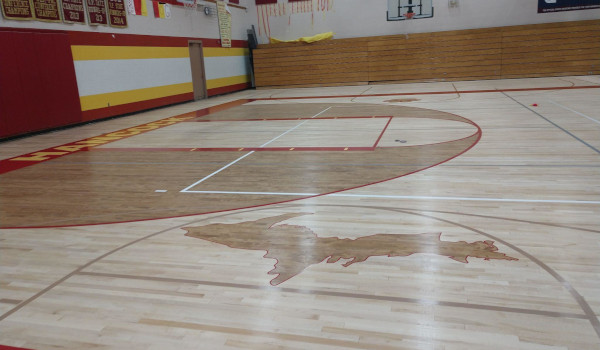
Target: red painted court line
11	164
206	111
433	93
280	119
4	347
135	106
15	163
26	160
228	88
235	149
383	131
478	133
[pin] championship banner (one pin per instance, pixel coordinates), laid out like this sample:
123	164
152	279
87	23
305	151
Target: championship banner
117	16
224	16
545	6
73	11
96	10
46	10
17	9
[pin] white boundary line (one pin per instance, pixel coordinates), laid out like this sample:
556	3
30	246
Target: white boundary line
259	193
187	189
292	129
574	111
402	197
216	172
321	112
295	127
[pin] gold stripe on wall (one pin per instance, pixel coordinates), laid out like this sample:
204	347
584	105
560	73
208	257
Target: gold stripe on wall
130	96
217	83
88	52
222	51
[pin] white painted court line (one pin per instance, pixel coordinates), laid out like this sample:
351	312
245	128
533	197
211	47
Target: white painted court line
574	111
247	154
403	197
468	199
216	172
254	193
321	112
292	129
295	127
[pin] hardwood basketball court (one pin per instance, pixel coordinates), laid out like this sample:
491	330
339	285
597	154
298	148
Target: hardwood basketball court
443	215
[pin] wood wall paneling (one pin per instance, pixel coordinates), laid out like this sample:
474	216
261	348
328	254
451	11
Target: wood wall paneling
554	49
435	56
325	63
551	49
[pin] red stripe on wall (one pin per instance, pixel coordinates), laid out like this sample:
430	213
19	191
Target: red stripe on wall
226	89
135	106
217	43
113	39
4	347
107	39
31	30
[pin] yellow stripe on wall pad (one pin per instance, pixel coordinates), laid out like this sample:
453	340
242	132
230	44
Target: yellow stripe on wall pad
124	97
223	51
217	83
88	52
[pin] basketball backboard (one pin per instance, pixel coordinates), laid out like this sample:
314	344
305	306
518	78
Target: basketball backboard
399	10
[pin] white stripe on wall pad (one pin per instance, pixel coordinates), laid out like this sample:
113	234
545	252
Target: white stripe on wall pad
105	76
226	66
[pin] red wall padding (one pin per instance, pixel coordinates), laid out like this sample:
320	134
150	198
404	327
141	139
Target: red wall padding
38	88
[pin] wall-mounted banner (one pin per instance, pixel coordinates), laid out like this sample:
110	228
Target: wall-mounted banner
224	16
302	6
17	9
46	10
97	12
117	16
73	11
161	9
137	7
545	6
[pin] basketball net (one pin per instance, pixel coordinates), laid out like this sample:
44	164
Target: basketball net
189	6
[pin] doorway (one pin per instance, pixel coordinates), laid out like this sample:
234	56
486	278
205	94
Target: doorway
197	64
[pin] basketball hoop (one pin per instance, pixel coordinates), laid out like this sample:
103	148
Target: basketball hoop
399	10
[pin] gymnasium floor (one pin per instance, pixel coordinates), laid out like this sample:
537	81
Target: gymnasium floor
443	215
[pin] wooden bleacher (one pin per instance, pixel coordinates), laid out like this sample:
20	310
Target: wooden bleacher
550	49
